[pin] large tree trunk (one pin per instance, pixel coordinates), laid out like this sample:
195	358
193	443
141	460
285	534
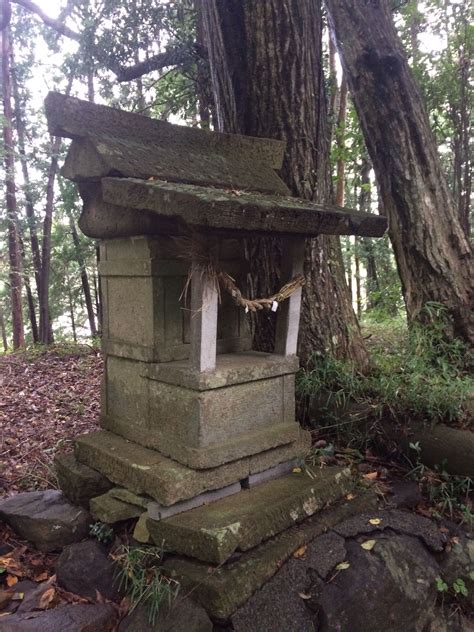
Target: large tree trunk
10	201
266	71
433	254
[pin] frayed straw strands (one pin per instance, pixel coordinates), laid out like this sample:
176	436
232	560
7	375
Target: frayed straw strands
203	262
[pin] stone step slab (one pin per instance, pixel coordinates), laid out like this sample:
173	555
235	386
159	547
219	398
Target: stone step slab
108	509
223	589
145	471
46	518
240	522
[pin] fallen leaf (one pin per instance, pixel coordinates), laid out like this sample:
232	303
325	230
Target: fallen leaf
300	552
351	496
375	521
368	545
47	598
18	596
41	577
342	566
11	580
296	470
304	596
371	476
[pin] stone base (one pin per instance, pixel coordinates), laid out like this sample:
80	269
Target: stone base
224	588
145	471
212	533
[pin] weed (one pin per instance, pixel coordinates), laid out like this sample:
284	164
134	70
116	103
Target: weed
142	577
101	531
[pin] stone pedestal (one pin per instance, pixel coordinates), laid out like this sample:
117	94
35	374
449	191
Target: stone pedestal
199	436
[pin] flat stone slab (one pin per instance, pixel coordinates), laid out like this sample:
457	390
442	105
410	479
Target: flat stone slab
79	482
231	369
46	518
71	618
145	471
223	589
110	510
223	209
240	522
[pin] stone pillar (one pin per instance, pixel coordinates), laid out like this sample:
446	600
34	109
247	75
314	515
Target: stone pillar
204	299
288	320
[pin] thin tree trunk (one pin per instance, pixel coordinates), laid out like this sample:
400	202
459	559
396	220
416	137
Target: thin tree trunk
29	294
45	329
71	313
3	330
357	278
84	278
366	243
45	324
10	202
267	79
98	294
29	205
433	255
340	143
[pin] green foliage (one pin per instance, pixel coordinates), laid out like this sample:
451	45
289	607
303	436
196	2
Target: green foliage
102	532
142	577
458	588
424	376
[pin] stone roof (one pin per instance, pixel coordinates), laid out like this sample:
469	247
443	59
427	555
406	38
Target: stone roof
142	176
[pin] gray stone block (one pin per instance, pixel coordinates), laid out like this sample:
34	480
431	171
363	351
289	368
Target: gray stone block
214	532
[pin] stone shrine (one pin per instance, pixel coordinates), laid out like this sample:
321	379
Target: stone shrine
199	438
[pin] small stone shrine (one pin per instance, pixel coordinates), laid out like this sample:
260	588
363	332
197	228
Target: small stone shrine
199	438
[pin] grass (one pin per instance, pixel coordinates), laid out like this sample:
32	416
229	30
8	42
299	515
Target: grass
418	374
141	577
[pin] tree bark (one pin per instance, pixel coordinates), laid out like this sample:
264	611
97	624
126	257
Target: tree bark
433	255
3	330
10	201
45	330
84	278
340	143
267	78
29	205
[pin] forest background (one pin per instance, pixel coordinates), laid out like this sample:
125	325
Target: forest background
153	58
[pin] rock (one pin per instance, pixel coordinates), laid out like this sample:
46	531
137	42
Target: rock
405	494
458	563
46	518
79	482
391	587
32	597
140	532
108	509
183	616
70	618
400	521
85	569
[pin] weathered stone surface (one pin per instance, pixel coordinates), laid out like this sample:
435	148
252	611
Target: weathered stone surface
231	369
140	532
270	474
219	209
405	495
85	569
158	512
182	616
46	518
223	589
399	521
110	510
146	471
240	522
74	118
79	482
70	618
96	157
391	587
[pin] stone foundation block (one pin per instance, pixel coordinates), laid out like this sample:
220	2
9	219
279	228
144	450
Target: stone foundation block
145	471
240	522
79	482
223	589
